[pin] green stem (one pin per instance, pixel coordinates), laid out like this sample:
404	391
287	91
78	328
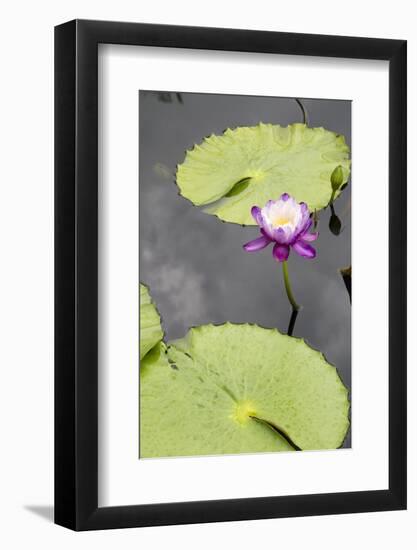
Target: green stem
287	284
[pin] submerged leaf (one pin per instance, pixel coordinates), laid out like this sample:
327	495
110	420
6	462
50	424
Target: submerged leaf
335	225
150	323
346	273
270	160
232	388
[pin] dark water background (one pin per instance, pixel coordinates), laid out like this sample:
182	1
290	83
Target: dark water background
194	264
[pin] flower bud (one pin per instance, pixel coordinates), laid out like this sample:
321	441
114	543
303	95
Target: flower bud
336	178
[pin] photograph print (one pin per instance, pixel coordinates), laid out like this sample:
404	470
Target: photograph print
245	274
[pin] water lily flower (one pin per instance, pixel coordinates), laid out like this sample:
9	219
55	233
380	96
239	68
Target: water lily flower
286	223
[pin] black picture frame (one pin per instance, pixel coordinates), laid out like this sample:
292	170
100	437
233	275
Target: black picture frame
76	272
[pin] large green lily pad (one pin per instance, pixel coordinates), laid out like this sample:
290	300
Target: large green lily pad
150	332
228	389
248	166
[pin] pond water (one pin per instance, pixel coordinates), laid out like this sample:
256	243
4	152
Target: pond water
194	264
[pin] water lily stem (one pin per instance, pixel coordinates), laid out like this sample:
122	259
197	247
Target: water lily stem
303	110
287	284
291	324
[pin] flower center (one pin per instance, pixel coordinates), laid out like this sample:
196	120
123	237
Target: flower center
280	220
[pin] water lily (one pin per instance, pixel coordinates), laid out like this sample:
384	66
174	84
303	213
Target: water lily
286	223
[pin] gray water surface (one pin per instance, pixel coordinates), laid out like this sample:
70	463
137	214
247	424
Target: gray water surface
194	264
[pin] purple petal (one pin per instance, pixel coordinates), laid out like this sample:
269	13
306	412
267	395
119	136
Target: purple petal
268	232
257	244
257	215
304	249
307	222
284	197
309	237
303	227
281	252
280	235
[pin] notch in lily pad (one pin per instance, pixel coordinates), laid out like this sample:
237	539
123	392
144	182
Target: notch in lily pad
238	187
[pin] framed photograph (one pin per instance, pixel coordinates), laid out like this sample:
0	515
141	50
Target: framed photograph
230	275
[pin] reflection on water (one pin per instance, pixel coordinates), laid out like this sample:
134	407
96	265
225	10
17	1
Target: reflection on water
194	264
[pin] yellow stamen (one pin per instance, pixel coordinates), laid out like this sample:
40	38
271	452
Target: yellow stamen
279	221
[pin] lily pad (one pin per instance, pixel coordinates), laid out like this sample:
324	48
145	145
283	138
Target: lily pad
150	323
248	166
232	389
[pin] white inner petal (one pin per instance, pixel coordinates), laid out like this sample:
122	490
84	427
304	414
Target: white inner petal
285	214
